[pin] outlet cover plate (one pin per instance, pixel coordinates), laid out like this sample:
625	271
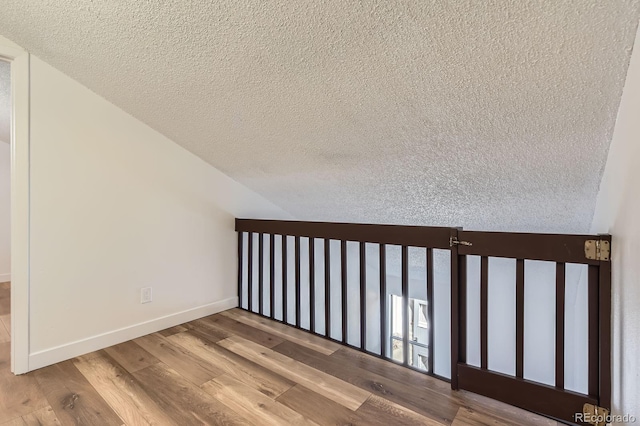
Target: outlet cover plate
146	295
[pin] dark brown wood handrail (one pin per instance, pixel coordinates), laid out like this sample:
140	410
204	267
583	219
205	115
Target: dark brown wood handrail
415	236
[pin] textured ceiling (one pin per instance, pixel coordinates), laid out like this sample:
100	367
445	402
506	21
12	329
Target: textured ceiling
5	101
490	115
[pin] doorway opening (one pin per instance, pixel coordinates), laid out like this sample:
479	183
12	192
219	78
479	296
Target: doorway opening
5	202
14	204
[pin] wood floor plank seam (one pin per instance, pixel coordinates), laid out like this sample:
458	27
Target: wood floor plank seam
237	328
286	332
241	369
184	402
251	404
73	399
322	410
376	408
121	390
131	356
190	366
44	416
324	384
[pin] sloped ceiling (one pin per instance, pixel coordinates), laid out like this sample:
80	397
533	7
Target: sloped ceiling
492	115
5	101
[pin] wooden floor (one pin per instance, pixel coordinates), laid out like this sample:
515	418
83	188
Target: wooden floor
234	368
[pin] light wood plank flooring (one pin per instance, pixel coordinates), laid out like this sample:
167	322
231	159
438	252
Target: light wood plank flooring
235	368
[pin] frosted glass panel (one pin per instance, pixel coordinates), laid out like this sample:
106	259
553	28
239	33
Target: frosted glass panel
417	273
319	285
244	301
278	277
576	329
442	312
353	293
394	270
305	311
539	321
335	290
502	315
291	281
473	310
266	301
373	298
254	274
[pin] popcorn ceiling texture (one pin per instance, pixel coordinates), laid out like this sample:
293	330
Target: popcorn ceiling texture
491	115
5	101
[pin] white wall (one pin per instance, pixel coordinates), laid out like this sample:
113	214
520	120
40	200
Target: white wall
617	212
115	206
5	211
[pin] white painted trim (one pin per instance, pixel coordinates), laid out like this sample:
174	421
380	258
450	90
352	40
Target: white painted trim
9	50
20	213
94	343
5	278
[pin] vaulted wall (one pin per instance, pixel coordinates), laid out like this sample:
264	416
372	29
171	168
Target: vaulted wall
617	213
114	207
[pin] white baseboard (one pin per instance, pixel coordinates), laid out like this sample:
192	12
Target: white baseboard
5	278
80	347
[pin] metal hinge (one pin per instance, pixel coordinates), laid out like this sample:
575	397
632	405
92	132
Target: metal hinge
594	415
597	249
453	241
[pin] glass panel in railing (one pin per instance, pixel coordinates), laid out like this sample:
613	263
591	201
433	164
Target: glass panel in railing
277	263
576	336
473	310
353	293
305	300
442	312
539	321
373	298
255	273
244	296
501	316
318	255
291	280
335	287
266	271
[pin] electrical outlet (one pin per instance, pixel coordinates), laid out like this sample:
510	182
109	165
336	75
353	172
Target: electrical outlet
145	295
